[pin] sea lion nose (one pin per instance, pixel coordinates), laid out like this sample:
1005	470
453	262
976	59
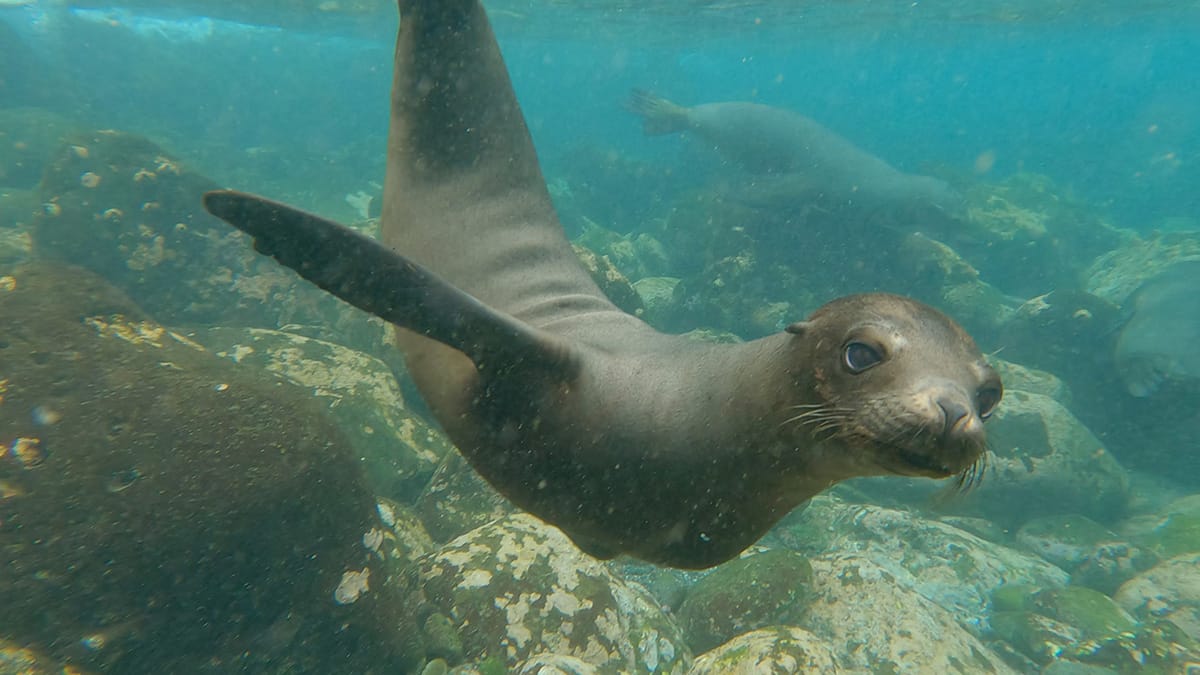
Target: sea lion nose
953	412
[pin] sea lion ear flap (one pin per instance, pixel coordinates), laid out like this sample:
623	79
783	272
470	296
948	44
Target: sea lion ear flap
798	327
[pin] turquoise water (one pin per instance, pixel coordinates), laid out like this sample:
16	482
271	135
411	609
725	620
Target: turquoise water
210	466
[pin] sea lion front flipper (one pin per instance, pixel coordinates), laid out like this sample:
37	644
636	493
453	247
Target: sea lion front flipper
375	279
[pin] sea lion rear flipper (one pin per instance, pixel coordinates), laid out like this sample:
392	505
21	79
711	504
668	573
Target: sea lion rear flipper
659	116
368	275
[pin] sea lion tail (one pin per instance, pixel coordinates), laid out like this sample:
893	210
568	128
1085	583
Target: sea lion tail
659	116
375	279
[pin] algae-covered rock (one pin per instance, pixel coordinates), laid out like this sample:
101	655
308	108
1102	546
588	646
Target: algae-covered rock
518	588
776	650
1045	462
1065	331
123	207
1174	534
406	532
947	566
398	449
164	510
1085	626
1094	555
1032	380
764	589
1030	224
458	500
877	623
611	281
657	293
556	664
1170	591
944	278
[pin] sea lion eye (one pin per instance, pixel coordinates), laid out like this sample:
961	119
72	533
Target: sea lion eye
986	401
859	356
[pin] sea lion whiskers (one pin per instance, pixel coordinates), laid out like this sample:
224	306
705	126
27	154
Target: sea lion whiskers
820	418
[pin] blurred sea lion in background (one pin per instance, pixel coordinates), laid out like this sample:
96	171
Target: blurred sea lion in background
1159	342
801	159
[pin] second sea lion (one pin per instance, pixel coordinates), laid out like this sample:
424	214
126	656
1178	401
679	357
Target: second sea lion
795	154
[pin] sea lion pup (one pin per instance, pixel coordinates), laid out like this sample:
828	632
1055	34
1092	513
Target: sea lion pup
802	156
631	441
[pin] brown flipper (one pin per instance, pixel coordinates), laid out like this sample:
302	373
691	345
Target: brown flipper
373	278
464	193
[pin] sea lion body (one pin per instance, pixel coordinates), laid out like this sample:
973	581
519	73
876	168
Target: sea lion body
629	440
821	164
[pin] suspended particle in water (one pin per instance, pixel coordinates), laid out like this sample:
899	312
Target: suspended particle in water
44	416
28	451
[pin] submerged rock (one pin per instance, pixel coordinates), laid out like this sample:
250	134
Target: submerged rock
398	449
763	589
1169	591
518	588
946	566
877	623
777	650
124	208
458	500
1094	555
1080	625
163	510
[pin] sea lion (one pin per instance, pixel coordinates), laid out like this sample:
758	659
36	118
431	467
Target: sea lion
801	158
1157	344
629	440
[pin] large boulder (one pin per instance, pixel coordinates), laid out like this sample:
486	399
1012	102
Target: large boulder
398	449
947	566
754	591
878	623
125	208
518	588
165	510
776	650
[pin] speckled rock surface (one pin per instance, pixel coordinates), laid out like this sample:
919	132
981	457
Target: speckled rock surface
121	206
1094	556
398	449
763	589
458	500
518	588
1083	625
945	565
162	510
878	623
1170	590
777	650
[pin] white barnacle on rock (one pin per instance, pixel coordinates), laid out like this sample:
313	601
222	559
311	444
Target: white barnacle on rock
352	585
372	539
386	513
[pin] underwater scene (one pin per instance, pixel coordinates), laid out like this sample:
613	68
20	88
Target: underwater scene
552	337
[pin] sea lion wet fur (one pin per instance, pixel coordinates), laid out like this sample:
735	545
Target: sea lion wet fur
629	440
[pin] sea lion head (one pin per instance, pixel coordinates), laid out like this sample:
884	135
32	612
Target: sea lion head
899	388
